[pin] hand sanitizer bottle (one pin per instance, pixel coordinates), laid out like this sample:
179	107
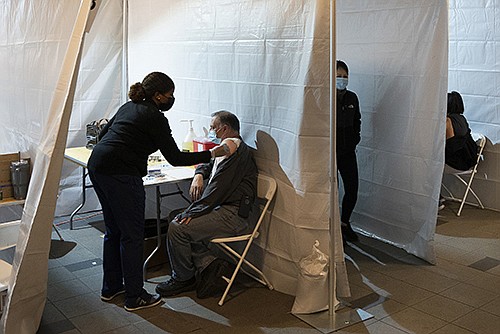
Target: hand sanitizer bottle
187	143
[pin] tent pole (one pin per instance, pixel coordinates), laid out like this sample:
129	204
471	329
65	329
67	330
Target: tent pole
332	279
124	93
334	318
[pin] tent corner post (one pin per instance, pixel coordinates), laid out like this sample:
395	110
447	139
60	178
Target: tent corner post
333	319
341	318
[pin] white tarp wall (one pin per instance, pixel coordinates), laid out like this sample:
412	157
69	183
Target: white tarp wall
26	294
474	71
98	95
397	53
34	41
266	61
472	59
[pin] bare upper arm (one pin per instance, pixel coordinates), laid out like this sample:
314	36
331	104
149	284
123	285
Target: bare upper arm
449	128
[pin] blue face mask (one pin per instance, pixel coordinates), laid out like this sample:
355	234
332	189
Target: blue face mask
341	83
212	136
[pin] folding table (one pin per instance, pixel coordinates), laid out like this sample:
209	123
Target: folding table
163	174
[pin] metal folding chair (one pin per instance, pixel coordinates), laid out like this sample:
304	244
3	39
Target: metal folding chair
266	190
467	177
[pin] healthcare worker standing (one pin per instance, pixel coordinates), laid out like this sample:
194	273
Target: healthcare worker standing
116	167
348	137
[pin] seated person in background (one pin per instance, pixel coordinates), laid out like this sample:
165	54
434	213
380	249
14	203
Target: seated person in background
220	209
460	148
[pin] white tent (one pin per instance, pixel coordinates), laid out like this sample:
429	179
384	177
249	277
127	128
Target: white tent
474	71
267	61
27	289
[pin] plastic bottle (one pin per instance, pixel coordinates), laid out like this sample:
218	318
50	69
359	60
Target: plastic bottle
187	143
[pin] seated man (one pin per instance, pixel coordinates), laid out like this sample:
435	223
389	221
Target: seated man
219	210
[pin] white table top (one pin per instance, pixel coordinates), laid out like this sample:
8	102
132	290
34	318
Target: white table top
159	171
79	155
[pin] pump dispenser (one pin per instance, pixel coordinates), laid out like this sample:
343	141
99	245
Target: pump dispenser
187	144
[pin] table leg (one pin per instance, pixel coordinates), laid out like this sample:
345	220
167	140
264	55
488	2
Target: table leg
84	198
158	231
177	192
57	231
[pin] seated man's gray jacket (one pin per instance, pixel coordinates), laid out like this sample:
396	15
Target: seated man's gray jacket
235	178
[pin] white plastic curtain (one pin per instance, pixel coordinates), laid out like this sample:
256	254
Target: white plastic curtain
28	282
98	95
397	53
32	44
474	67
267	61
474	71
33	40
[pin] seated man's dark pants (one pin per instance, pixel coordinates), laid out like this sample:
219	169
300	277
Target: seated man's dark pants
188	244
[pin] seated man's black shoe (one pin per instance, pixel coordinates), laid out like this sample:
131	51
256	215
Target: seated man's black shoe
348	233
144	301
173	287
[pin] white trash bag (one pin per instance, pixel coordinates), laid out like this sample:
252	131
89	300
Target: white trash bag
312	284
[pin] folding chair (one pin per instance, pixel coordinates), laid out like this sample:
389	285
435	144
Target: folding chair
8	238
462	175
266	190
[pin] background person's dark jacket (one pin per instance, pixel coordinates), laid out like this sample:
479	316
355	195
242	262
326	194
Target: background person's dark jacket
348	122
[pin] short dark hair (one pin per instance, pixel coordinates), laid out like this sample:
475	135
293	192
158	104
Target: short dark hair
341	64
228	118
455	103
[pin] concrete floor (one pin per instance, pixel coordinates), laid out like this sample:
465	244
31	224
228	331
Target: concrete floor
460	294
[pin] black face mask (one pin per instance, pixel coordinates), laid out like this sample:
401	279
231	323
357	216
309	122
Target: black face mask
166	106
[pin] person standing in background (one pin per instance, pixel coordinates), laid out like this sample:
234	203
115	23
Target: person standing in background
348	137
116	167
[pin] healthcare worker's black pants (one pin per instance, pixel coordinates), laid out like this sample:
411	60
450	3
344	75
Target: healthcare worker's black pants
122	199
348	169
